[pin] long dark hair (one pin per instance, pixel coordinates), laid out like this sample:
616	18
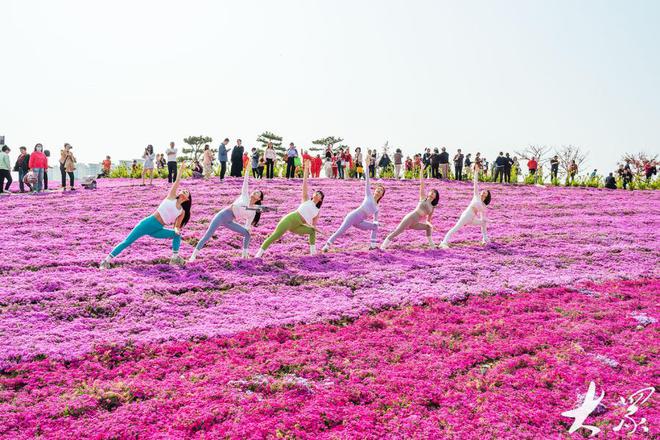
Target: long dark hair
186	209
319	204
257	215
150	149
437	197
487	198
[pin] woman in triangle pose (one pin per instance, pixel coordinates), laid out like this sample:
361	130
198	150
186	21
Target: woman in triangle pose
302	221
358	217
174	209
413	220
245	210
475	213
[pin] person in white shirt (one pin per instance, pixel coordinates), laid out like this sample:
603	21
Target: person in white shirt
239	211
171	163
174	209
475	213
302	221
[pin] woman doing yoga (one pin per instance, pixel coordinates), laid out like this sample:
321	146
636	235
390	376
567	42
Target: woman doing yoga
358	217
244	210
413	220
302	221
475	213
174	209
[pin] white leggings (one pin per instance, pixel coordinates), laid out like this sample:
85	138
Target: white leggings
468	218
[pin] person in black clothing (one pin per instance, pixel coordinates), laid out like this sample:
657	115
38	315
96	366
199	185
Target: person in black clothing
610	182
426	160
435	164
237	159
22	167
500	164
458	165
508	164
554	168
444	164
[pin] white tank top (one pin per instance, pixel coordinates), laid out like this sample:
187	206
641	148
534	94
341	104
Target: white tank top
308	210
168	211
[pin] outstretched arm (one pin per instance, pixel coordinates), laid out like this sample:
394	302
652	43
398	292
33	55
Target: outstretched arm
175	185
305	195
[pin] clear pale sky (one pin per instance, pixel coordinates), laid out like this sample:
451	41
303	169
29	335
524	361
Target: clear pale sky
112	77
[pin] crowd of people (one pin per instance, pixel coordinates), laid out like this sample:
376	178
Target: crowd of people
337	163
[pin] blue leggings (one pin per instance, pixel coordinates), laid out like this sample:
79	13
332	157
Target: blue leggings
148	226
225	218
357	219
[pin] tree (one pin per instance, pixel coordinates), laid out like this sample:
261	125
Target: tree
196	146
276	140
537	151
569	153
637	161
324	142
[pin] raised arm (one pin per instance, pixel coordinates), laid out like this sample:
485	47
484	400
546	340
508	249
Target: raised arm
475	179
305	195
175	185
244	190
422	190
367	188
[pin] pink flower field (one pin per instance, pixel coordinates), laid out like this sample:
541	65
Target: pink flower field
474	341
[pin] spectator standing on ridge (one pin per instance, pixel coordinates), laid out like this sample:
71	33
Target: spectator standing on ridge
255	163
593	174
398	161
610	182
22	166
148	164
426	161
291	155
207	161
5	171
532	166
444	164
572	171
554	167
508	164
271	156
458	165
649	170
67	166
222	157
435	164
171	163
500	164
38	164
237	159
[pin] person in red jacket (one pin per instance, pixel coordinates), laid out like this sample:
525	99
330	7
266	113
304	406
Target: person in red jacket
532	166
39	165
317	164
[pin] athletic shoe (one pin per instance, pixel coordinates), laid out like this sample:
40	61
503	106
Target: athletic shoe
259	253
193	256
326	248
176	260
384	245
105	264
444	245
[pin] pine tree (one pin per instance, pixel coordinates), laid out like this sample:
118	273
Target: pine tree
196	146
324	142
276	140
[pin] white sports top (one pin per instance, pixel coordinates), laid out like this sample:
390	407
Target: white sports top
308	210
168	211
243	201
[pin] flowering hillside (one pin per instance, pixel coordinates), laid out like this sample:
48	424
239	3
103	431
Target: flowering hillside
349	344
